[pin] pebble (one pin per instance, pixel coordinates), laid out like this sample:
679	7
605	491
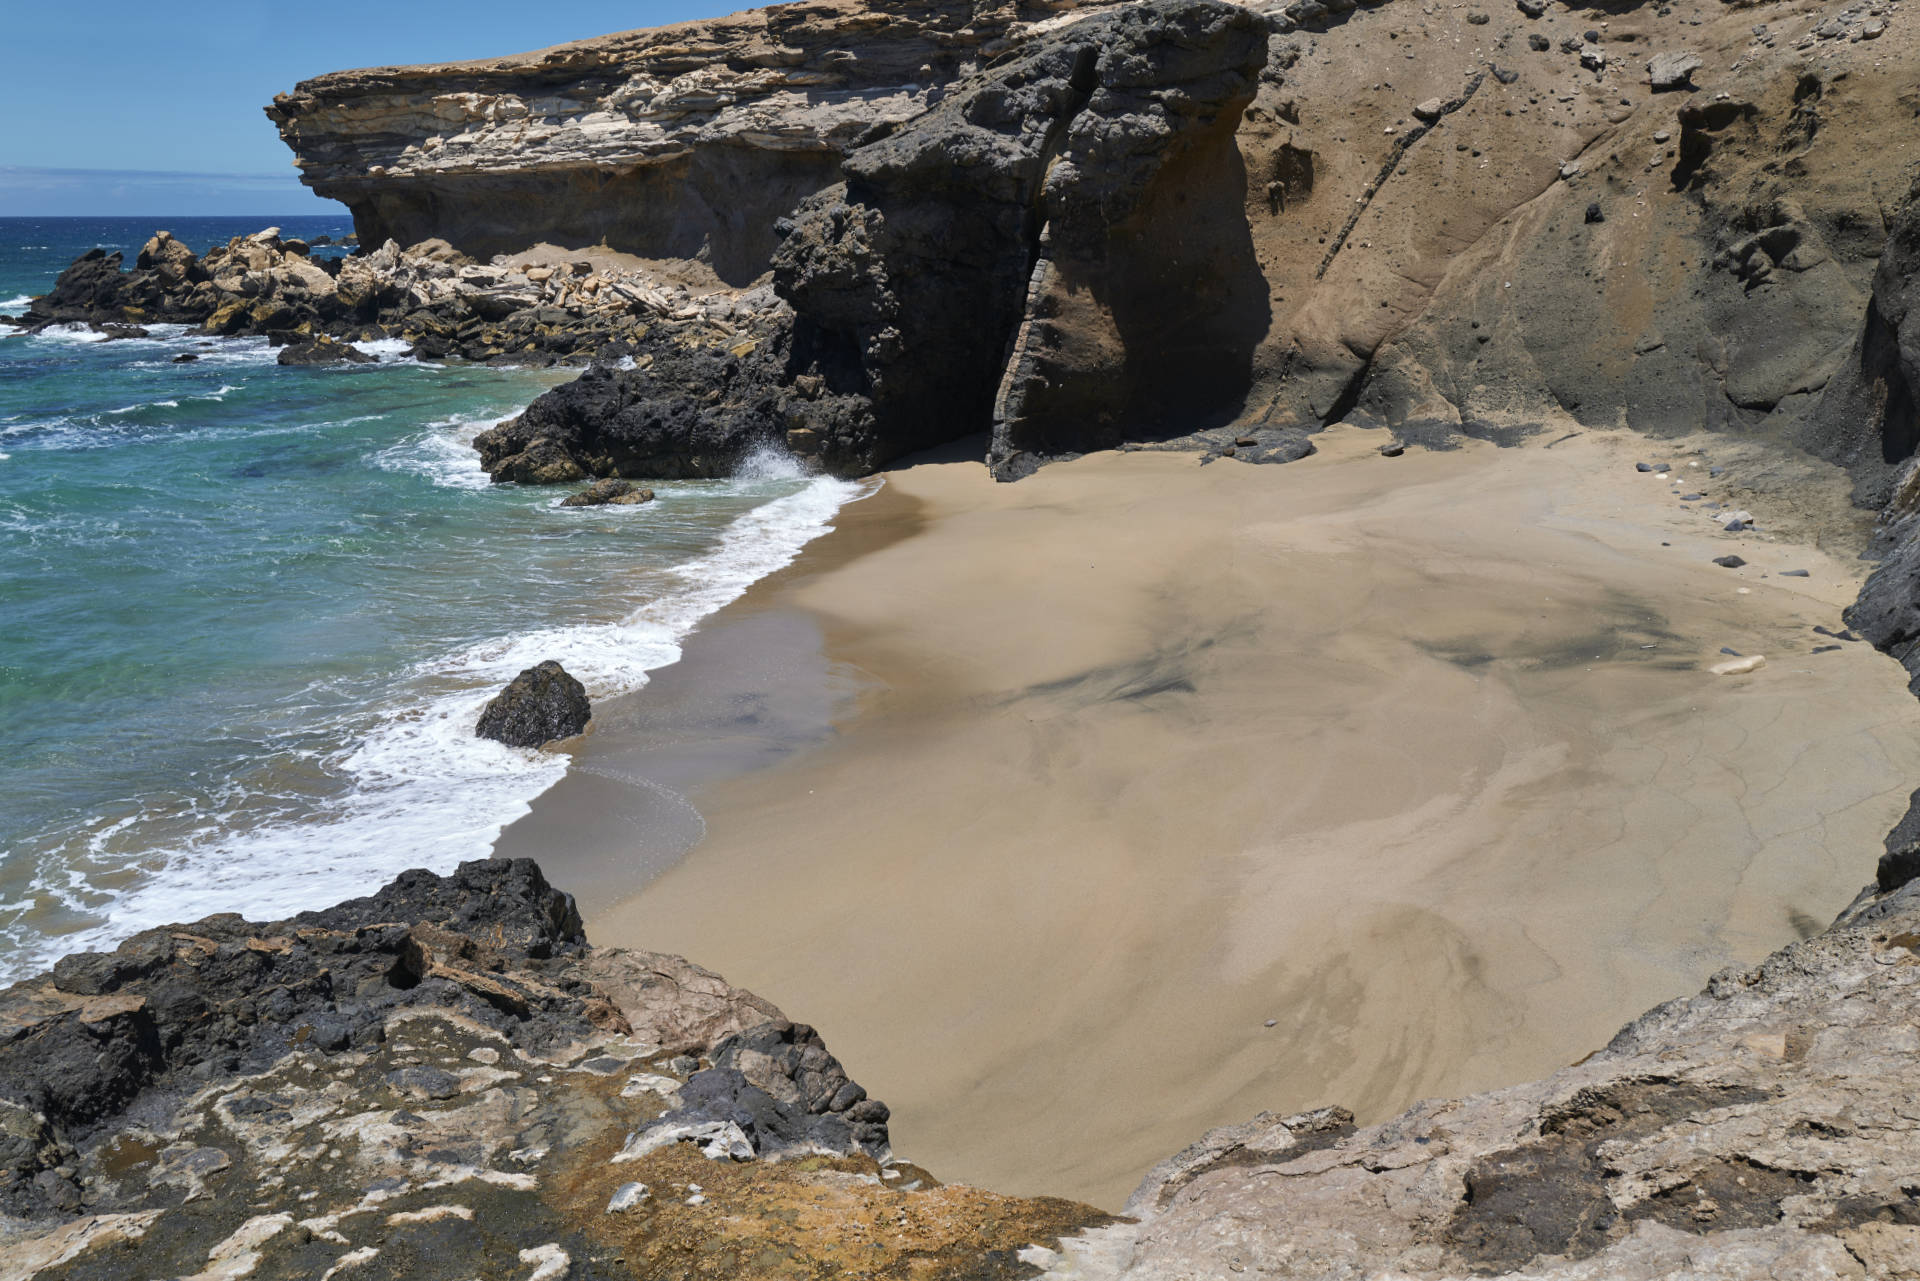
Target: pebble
626	1197
1393	450
1825	649
1643	466
1715	471
1273	1022
1728	562
696	1199
1794	573
551	1263
1691	498
1739	666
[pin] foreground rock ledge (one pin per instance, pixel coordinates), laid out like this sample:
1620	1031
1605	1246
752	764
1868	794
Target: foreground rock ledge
444	1081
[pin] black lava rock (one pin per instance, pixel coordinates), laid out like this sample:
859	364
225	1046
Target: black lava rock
323	350
620	493
539	705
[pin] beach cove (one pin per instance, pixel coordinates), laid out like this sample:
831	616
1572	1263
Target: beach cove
1144	795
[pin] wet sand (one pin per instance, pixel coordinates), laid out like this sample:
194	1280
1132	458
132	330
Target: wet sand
1088	778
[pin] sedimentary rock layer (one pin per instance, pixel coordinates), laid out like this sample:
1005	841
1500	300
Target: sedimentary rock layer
687	140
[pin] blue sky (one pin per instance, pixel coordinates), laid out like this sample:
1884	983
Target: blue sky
113	107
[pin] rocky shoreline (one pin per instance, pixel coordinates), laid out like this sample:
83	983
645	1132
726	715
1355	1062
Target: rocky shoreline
445	1080
514	311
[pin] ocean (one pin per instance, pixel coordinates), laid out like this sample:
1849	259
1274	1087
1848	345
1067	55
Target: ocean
248	615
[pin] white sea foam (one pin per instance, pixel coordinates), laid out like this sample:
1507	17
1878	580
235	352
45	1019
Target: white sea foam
17	301
71	332
423	791
384	348
444	454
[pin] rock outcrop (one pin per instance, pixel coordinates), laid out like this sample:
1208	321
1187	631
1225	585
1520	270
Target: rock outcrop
516	311
443	1080
541	704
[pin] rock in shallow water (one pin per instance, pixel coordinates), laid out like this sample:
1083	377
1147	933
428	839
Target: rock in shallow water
619	493
322	350
538	706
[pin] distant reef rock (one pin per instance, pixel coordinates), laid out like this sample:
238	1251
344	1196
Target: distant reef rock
538	309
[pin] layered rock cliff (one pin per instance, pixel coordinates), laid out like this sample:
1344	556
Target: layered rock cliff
1439	219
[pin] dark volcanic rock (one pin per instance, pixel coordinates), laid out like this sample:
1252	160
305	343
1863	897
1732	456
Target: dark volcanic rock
601	493
442	1049
537	706
688	412
322	350
1040	188
86	290
1868	418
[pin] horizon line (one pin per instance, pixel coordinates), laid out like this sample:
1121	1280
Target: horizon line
228	175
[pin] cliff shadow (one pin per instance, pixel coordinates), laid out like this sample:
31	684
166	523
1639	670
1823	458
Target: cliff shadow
1148	330
717	205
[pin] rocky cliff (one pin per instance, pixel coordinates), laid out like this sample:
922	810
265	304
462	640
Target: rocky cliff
1487	219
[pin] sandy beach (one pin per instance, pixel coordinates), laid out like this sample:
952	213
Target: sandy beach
1140	796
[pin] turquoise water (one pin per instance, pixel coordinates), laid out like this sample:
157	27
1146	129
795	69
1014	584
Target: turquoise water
248	614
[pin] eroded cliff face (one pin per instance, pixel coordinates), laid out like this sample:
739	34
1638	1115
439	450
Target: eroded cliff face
1482	219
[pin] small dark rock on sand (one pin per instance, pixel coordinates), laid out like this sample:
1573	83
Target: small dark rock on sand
1392	451
1594	213
620	493
1795	573
1730	562
539	705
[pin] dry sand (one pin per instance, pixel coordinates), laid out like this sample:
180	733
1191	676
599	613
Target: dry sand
1415	757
